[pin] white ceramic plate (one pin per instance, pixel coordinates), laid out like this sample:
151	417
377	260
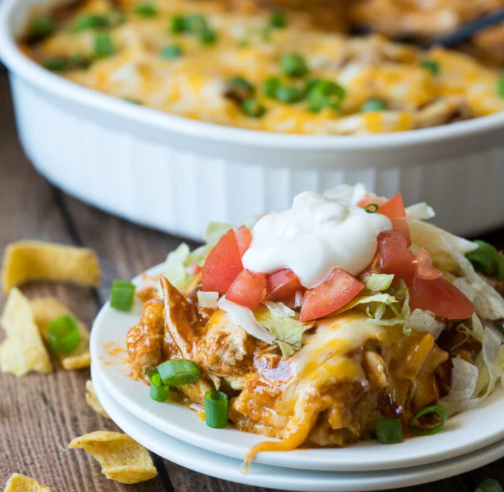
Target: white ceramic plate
462	434
225	468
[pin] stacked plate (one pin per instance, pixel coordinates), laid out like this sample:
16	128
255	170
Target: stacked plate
468	441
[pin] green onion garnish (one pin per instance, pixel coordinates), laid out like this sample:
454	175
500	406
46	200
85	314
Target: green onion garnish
63	335
372	208
278	20
294	65
431	65
326	94
241	84
388	431
177	25
169	52
489	485
195	23
103	45
500	86
178	372
158	391
146	10
252	108
483	257
216	409
271	85
427	431
42	27
208	36
289	95
84	22
373	105
55	64
122	295
78	61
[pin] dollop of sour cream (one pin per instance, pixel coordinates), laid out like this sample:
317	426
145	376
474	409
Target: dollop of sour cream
312	238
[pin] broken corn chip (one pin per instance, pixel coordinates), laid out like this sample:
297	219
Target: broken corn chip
46	310
121	458
23	350
22	483
37	260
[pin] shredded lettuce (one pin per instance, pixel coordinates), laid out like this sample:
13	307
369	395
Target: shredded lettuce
215	231
174	268
420	320
208	299
244	317
280	321
378	282
420	211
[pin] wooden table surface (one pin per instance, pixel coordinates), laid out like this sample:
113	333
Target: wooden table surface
41	414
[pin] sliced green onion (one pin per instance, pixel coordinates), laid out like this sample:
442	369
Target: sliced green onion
208	36
63	335
41	27
388	431
427	431
195	23
84	22
78	61
178	372
177	25
146	10
372	208
55	64
431	65
278	20
216	409
170	52
293	65
242	84
483	257
103	45
271	85
158	391
289	95
373	105
500	86
326	94
489	485
252	108
122	294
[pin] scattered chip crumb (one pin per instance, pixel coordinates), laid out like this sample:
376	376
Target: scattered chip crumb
47	309
122	459
22	350
37	260
22	483
92	400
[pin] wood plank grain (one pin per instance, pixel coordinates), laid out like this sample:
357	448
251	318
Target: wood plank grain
41	414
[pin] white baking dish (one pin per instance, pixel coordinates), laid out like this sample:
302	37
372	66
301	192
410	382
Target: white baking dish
176	174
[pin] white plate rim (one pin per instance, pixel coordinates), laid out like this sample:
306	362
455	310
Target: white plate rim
226	468
368	456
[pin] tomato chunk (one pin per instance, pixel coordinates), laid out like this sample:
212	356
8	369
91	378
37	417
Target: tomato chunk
339	289
393	208
283	285
394	255
244	238
222	265
441	297
402	227
249	289
424	268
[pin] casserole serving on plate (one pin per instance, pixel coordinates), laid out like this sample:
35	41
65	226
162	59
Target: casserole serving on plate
175	173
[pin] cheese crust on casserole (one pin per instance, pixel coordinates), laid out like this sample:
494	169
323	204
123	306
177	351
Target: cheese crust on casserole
195	84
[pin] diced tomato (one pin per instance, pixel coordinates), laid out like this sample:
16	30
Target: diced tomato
249	289
394	255
283	285
441	297
424	268
339	289
222	265
369	199
244	238
393	208
402	227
